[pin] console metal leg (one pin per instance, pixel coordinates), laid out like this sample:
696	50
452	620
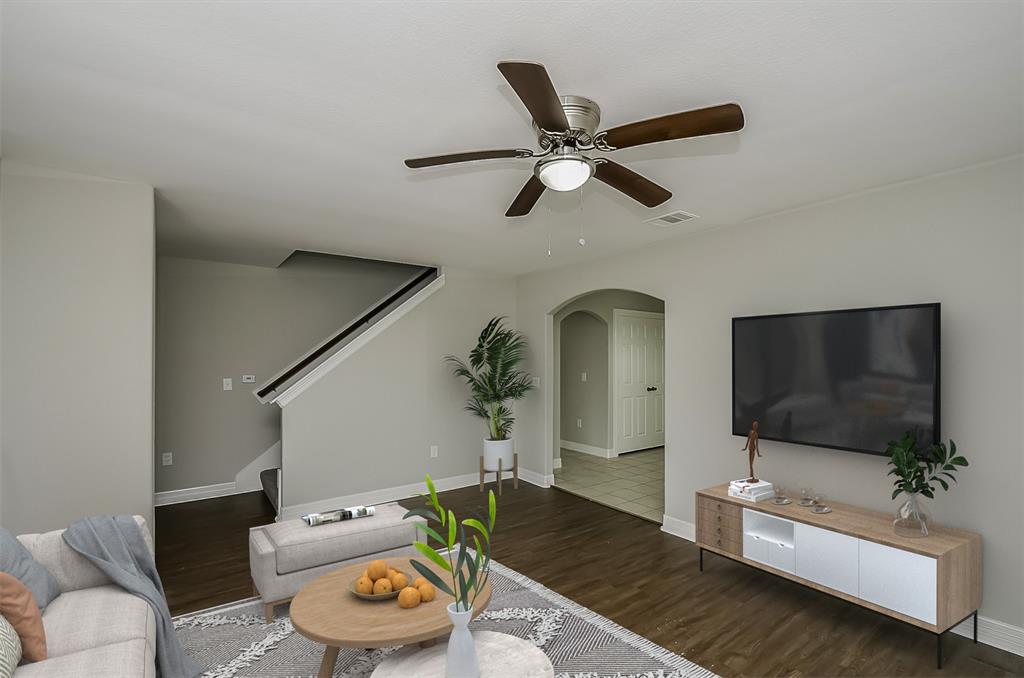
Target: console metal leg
938	647
701	560
975	627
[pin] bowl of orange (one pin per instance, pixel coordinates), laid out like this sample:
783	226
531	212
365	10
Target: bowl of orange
379	582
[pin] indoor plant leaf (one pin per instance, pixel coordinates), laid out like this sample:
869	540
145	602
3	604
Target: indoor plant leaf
433	555
432	577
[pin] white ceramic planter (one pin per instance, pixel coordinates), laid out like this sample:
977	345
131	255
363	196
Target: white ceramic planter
461	656
498	449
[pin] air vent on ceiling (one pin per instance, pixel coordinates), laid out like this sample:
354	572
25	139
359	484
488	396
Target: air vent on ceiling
672	218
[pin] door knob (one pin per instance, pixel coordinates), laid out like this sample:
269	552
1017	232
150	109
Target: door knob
652	388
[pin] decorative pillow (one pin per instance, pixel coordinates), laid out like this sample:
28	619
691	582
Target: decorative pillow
19	608
10	649
16	561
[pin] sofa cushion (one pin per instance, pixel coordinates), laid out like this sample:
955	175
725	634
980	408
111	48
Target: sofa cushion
19	608
130	659
10	648
70	568
16	561
300	547
104	615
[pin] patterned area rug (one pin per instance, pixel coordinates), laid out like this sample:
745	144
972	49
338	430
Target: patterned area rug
235	642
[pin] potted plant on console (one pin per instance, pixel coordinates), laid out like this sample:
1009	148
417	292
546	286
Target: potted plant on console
494	379
918	470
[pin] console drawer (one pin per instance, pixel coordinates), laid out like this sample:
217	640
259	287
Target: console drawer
728	541
724	508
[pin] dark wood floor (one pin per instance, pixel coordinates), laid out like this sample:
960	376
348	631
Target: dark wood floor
731	619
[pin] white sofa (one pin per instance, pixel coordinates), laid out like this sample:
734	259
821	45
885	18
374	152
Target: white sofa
94	629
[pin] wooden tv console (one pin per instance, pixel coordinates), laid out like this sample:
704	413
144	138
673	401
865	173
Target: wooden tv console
852	553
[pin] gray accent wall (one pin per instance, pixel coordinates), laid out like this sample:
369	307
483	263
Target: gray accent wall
578	327
77	347
217	320
955	238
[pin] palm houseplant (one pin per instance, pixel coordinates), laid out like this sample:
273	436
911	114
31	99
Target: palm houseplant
464	570
495	379
918	471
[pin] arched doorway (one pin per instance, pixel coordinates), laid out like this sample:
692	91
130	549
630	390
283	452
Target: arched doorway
609	400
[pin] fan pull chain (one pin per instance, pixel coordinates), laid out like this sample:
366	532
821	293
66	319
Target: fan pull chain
547	222
579	218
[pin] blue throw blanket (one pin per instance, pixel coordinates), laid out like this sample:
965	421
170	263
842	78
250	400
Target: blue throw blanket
115	545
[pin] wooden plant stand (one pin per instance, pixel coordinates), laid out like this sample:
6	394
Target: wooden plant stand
500	471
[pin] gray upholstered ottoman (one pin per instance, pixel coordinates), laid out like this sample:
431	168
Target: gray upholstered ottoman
285	556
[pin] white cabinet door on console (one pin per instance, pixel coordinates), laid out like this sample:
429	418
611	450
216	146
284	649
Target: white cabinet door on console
899	580
827	558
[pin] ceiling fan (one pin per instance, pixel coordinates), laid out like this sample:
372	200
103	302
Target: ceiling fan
566	128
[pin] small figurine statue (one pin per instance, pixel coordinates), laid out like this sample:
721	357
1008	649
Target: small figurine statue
752	449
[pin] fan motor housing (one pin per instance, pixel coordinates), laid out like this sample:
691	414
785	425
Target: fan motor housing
584	116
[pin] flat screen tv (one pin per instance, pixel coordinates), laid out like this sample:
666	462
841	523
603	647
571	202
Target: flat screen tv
852	379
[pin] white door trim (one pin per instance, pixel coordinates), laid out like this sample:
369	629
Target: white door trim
617	314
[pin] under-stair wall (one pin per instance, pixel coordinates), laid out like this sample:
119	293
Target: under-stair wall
362	431
217	320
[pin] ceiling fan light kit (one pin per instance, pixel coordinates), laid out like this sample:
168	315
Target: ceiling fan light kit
566	128
567	170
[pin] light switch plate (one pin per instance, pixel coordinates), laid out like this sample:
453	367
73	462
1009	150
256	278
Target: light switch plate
167	459
536	382
583	376
228	384
433	451
579	423
248	378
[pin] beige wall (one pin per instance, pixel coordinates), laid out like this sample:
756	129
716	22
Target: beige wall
954	238
217	320
370	422
582	350
77	347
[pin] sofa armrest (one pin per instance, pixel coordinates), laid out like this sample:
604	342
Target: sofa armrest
146	535
262	559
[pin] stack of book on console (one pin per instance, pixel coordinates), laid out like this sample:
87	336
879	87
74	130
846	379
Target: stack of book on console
751	491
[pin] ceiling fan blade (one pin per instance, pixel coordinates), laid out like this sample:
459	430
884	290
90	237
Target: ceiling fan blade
467	156
527	198
531	82
696	123
638	188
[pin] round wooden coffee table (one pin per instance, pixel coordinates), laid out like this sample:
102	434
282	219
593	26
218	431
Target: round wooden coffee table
498	654
325	611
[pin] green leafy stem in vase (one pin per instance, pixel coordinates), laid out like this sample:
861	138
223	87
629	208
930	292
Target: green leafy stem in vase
919	469
468	570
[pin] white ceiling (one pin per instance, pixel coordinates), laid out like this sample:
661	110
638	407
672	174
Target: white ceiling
268	127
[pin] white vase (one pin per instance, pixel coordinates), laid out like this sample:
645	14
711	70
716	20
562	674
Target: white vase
498	449
461	657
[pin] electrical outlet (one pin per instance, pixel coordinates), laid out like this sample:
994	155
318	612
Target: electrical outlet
167	459
433	451
583	377
248	378
579	423
536	382
228	384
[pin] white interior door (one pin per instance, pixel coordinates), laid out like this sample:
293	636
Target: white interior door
639	389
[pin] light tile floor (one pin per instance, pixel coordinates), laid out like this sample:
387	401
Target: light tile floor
633	482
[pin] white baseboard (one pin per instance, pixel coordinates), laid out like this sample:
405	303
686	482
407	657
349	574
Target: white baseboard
557	463
603	452
678	528
379	496
990	631
195	493
534	478
995	633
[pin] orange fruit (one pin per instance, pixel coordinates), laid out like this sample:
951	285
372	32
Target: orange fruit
382	585
399	581
419	580
408	598
378	569
364	585
427	591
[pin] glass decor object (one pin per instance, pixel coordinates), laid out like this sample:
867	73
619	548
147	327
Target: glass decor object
911	520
